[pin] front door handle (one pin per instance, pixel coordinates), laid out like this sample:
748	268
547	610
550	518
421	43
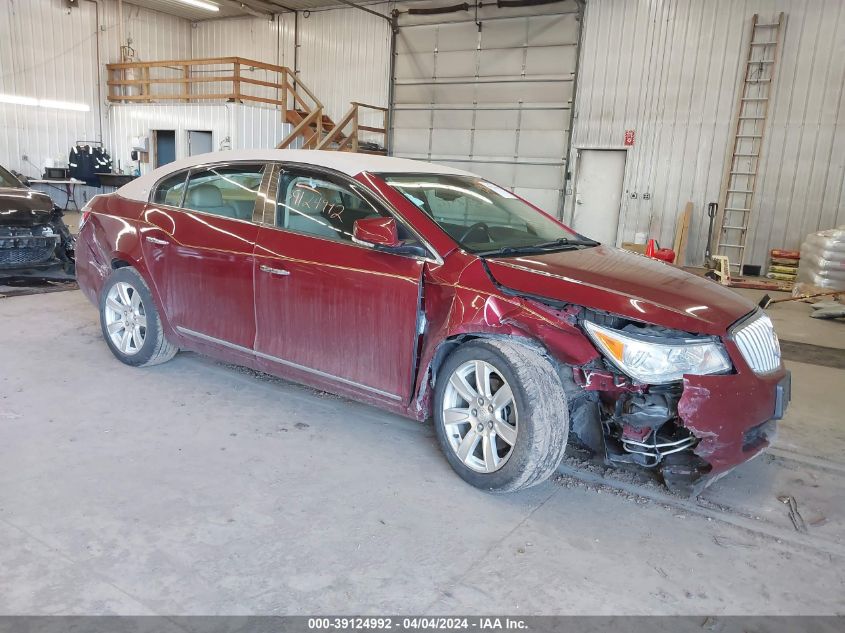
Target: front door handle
274	271
155	240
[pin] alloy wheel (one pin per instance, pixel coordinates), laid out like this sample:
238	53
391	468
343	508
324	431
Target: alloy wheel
480	416
125	318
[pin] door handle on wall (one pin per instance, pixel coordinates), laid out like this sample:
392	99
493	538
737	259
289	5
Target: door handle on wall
274	271
155	240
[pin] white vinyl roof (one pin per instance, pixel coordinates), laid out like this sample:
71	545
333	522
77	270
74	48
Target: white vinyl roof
348	163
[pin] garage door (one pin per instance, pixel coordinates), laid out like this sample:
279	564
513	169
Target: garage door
493	100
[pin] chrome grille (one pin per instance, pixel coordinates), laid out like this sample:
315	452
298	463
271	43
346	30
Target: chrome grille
758	343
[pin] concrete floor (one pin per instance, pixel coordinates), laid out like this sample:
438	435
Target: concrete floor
197	488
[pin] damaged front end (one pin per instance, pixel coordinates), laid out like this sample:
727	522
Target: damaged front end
35	242
693	427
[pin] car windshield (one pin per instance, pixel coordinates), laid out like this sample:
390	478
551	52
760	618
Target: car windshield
482	217
8	180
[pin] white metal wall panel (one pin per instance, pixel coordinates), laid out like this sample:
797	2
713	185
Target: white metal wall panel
152	35
266	40
261	39
233	126
48	51
344	56
494	101
671	71
127	121
258	127
61	67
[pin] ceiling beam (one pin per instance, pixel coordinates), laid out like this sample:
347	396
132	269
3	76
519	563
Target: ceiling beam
242	6
264	5
280	5
358	6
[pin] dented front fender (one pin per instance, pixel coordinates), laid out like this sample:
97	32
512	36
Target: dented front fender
475	307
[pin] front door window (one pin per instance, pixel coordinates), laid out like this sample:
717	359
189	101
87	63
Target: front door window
319	207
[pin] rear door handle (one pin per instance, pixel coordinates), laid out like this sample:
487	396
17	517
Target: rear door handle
274	271
155	240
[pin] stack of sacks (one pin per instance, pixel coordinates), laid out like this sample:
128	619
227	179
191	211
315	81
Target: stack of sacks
822	266
783	265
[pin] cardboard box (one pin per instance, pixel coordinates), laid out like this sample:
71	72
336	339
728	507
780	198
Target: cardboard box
634	248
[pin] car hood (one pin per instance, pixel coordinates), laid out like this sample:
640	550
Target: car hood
24	207
627	284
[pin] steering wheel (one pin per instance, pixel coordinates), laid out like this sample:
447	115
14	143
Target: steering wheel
477	225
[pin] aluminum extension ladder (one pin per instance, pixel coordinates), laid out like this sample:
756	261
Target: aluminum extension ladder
742	164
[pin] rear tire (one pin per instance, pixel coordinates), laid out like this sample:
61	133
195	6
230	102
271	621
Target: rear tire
519	402
130	322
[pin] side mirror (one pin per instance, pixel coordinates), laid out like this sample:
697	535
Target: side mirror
376	232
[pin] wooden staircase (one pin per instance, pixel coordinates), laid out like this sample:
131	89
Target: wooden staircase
234	80
314	129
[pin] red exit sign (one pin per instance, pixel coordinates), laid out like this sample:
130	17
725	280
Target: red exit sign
629	137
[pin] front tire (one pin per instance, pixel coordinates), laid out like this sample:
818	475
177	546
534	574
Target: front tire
130	322
501	415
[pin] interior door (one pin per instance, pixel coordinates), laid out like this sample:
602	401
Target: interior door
342	312
200	251
598	193
164	146
199	142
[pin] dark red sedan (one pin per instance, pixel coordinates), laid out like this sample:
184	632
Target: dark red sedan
432	292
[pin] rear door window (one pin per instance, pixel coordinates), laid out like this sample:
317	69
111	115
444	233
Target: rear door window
229	191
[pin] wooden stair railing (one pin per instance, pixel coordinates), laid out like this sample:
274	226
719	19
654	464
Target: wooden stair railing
184	80
336	139
228	79
310	128
307	116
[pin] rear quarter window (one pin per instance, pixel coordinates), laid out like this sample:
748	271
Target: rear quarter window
171	190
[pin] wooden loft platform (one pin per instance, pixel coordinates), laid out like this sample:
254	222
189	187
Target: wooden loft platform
235	79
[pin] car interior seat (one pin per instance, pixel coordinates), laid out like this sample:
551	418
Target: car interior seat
207	198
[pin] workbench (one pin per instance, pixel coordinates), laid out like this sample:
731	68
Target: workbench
69	188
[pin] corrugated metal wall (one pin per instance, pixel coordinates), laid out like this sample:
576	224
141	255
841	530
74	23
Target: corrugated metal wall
233	125
671	71
261	39
48	51
266	40
258	127
127	121
61	67
344	56
153	35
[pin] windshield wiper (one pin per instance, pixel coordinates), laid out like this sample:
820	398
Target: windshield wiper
541	247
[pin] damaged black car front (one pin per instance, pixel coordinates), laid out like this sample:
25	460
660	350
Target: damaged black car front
35	242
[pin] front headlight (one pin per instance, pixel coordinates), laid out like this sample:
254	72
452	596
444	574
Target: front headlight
657	360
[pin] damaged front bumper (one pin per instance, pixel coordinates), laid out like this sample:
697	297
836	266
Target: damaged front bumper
37	252
692	432
733	416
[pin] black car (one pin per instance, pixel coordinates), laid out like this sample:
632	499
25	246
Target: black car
34	240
